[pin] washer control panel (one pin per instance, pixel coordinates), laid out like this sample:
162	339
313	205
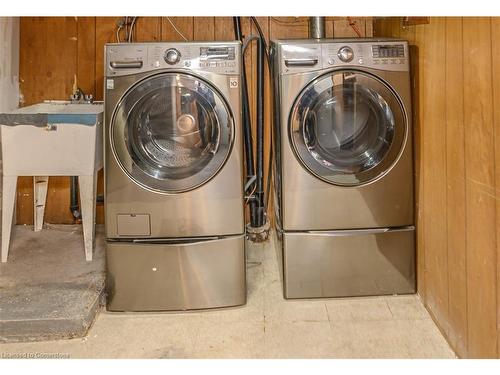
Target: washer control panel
133	58
213	57
387	54
382	55
303	56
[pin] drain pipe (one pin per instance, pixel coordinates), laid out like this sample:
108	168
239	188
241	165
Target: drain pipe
259	192
258	230
317	27
247	130
73	205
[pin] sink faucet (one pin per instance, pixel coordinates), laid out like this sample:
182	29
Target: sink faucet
80	97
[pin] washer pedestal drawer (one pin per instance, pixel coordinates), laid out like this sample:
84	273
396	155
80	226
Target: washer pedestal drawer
348	263
176	275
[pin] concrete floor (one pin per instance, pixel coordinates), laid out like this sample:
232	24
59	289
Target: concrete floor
48	289
267	327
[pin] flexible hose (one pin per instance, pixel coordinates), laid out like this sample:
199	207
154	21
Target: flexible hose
247	130
271	148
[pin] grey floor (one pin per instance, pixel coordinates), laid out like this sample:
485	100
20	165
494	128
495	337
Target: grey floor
267	327
48	289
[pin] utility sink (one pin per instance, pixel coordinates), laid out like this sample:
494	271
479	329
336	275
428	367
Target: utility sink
51	138
54	111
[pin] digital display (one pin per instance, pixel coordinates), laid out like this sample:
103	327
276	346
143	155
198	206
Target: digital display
391	51
217	53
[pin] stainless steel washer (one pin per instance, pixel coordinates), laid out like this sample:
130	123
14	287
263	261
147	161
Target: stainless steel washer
173	176
344	178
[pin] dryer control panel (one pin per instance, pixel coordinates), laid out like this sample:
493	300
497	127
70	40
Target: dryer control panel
133	58
305	55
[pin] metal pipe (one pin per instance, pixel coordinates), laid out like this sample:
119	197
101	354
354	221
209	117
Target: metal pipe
247	130
317	27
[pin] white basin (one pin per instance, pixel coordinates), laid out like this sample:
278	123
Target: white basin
53	138
61	107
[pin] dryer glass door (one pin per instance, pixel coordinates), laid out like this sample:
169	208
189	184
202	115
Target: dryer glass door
348	128
172	132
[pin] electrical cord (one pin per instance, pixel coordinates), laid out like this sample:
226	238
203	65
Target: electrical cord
118	29
177	30
247	42
250	196
261	35
126	28
131	30
120	23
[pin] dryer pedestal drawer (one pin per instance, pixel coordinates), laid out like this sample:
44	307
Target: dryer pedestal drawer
349	263
176	276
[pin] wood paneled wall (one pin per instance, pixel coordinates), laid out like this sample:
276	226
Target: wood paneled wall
456	92
57	52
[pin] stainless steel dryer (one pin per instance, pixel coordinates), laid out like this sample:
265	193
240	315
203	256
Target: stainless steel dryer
344	186
173	176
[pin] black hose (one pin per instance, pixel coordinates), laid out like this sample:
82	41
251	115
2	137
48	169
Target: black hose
73	198
246	113
270	160
247	129
261	35
259	191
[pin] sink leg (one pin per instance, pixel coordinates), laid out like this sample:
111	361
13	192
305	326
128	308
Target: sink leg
88	191
8	201
40	185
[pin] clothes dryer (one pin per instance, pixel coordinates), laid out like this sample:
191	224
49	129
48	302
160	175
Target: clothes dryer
344	171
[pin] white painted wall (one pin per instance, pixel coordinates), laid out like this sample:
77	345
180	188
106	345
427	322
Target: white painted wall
9	63
9	72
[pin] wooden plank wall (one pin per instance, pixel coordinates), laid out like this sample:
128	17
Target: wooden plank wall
456	91
56	52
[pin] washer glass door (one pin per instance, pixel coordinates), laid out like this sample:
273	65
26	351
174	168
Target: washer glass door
348	128
172	132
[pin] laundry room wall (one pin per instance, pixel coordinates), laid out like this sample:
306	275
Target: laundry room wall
9	63
9	70
56	52
456	91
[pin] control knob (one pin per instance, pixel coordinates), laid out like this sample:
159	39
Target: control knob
172	56
345	54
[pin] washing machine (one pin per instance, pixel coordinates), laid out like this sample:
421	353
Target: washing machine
344	167
173	176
